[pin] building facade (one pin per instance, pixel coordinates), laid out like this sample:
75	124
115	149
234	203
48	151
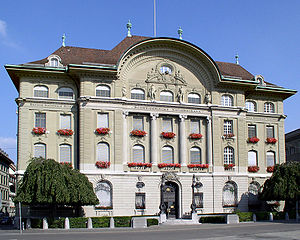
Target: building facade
155	124
292	145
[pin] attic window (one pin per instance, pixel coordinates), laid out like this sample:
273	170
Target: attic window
54	62
165	69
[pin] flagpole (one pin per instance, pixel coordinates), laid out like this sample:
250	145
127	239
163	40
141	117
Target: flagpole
154	11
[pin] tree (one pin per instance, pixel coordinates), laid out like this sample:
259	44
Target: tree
49	183
284	183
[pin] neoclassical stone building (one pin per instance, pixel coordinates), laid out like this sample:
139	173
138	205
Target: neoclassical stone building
155	124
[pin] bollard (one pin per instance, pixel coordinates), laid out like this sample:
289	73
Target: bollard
28	223
112	223
254	217
271	217
90	223
287	218
45	223
67	223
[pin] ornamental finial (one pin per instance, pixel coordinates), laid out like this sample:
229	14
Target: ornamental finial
64	40
180	32
129	25
237	59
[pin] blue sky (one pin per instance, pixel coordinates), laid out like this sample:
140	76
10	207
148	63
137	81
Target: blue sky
265	34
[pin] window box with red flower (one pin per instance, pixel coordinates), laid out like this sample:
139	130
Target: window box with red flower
168	135
253	169
145	165
229	166
228	135
169	165
66	164
102	131
198	166
271	140
253	140
38	130
138	133
65	132
195	136
102	164
270	169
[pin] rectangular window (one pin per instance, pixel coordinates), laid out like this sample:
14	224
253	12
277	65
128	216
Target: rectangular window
140	200
270	159
65	153
40	120
102	120
138	123
167	125
195	126
228	127
270	132
65	121
40	150
198	199
251	131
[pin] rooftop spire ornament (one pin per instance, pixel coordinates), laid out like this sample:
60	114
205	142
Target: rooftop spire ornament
129	25
64	40
237	59
180	32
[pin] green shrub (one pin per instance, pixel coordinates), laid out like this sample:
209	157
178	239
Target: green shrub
56	223
79	222
152	221
278	215
261	216
213	219
101	222
36	223
122	221
245	216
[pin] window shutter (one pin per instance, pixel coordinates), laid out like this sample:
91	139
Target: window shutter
138	154
102	120
40	150
252	161
167	155
167	125
138	123
195	126
65	121
103	152
270	159
195	155
65	153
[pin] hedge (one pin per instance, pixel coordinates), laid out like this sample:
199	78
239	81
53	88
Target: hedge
79	222
213	219
245	216
152	221
101	222
122	221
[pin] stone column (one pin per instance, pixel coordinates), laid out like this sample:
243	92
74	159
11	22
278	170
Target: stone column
125	138
182	140
208	141
154	138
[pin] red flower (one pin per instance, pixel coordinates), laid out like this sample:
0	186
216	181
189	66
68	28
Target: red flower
39	130
253	169
229	166
66	164
175	165
102	164
102	131
271	140
132	164
66	132
195	136
138	133
168	135
229	135
270	169
198	166
253	140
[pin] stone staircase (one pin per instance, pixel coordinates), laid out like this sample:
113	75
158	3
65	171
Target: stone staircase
180	222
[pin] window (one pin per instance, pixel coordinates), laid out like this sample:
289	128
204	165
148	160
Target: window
195	154
270	131
102	91
194	98
269	107
138	123
140	201
54	62
251	106
198	196
65	121
229	194
165	69
228	155
138	154
195	126
65	153
167	155
65	93
251	131
252	158
40	91
40	120
166	96
39	150
103	152
103	192
270	159
102	121
137	94
226	100
167	125
253	191
228	127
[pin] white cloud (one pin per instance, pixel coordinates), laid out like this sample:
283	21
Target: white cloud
8	143
3	26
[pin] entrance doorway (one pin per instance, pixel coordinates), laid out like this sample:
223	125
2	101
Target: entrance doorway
171	199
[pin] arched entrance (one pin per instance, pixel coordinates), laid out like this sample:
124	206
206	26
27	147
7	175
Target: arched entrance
171	199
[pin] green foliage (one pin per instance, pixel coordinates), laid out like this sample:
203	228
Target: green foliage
284	183
245	216
152	221
261	216
122	221
101	222
213	219
36	223
47	182
79	222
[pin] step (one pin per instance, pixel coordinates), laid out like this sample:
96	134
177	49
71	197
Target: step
180	222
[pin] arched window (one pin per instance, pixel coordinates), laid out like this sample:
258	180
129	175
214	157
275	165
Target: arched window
138	154
103	91
65	93
251	106
228	155
195	154
252	158
167	154
165	69
253	191
54	62
194	98
103	152
166	96
226	100
198	195
137	93
230	194
270	159
65	153
269	107
40	91
39	150
103	192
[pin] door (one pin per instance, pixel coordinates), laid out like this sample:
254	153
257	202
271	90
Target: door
170	197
